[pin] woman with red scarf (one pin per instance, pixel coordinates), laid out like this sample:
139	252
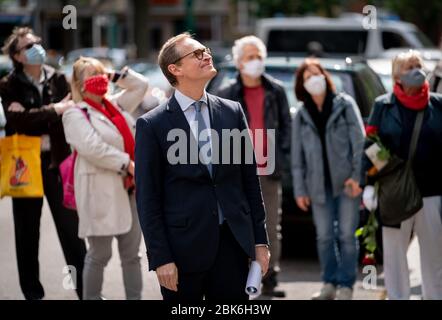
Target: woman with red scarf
394	116
101	130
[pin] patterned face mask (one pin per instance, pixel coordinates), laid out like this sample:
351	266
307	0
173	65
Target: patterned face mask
97	85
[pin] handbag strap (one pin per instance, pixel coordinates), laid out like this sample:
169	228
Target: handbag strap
88	118
415	136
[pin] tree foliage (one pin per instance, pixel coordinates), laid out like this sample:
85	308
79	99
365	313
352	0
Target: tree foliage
427	15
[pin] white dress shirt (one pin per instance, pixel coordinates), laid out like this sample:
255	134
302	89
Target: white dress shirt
189	112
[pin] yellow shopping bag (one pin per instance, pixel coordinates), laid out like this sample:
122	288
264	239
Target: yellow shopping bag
20	167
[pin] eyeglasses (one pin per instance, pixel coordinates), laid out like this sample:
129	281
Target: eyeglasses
29	46
198	53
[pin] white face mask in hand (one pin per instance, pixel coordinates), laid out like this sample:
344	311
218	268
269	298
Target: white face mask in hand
315	85
369	198
254	68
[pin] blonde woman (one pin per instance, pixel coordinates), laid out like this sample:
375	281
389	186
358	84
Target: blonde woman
394	115
101	130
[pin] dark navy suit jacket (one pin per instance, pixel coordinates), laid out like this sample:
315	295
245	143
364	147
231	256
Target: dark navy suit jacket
177	203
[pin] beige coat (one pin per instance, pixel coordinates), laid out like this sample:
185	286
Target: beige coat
102	202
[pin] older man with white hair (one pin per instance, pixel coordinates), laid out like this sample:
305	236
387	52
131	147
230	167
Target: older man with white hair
265	104
395	115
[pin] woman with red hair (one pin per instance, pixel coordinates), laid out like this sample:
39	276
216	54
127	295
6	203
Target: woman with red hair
327	142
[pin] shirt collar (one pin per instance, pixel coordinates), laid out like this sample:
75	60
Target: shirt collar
185	102
42	77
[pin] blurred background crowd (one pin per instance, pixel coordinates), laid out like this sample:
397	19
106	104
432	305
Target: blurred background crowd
356	53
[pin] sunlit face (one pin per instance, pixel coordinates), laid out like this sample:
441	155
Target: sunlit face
311	70
250	53
23	44
190	68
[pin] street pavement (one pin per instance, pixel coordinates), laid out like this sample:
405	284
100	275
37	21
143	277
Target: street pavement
299	276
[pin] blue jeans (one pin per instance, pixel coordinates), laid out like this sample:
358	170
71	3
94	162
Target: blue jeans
336	222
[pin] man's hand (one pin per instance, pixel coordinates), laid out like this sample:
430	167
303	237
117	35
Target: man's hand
263	258
131	168
303	203
352	188
168	276
64	104
16	107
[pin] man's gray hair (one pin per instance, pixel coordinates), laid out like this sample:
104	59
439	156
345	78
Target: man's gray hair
238	47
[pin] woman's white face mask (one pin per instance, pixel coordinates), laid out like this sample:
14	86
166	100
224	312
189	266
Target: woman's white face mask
254	68
315	85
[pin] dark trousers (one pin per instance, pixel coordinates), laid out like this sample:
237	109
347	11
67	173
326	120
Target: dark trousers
226	279
27	213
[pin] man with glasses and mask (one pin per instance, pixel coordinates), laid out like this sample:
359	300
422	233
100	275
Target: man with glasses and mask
34	97
265	106
204	220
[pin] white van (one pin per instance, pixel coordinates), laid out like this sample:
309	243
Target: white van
342	36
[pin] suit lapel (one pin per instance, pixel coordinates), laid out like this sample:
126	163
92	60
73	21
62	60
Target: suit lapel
217	125
176	116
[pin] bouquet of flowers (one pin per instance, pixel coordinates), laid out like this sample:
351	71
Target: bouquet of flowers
368	233
379	156
377	152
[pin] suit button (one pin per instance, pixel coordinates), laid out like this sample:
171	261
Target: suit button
215	185
214	212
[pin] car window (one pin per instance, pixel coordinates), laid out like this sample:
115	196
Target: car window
426	42
332	41
393	40
341	79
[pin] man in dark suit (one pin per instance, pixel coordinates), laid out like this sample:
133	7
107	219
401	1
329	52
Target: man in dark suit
204	220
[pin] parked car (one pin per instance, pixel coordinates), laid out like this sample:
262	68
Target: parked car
341	36
355	78
383	67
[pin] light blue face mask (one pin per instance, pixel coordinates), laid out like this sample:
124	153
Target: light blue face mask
36	55
413	78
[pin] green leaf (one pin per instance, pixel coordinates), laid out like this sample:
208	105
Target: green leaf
371	247
358	232
364	232
383	154
375	224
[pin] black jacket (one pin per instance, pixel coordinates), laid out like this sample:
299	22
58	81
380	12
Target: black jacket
276	114
395	126
177	203
16	87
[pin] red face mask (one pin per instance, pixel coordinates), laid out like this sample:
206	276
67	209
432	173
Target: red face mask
96	85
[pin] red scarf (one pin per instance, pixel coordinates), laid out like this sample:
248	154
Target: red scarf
415	102
115	116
